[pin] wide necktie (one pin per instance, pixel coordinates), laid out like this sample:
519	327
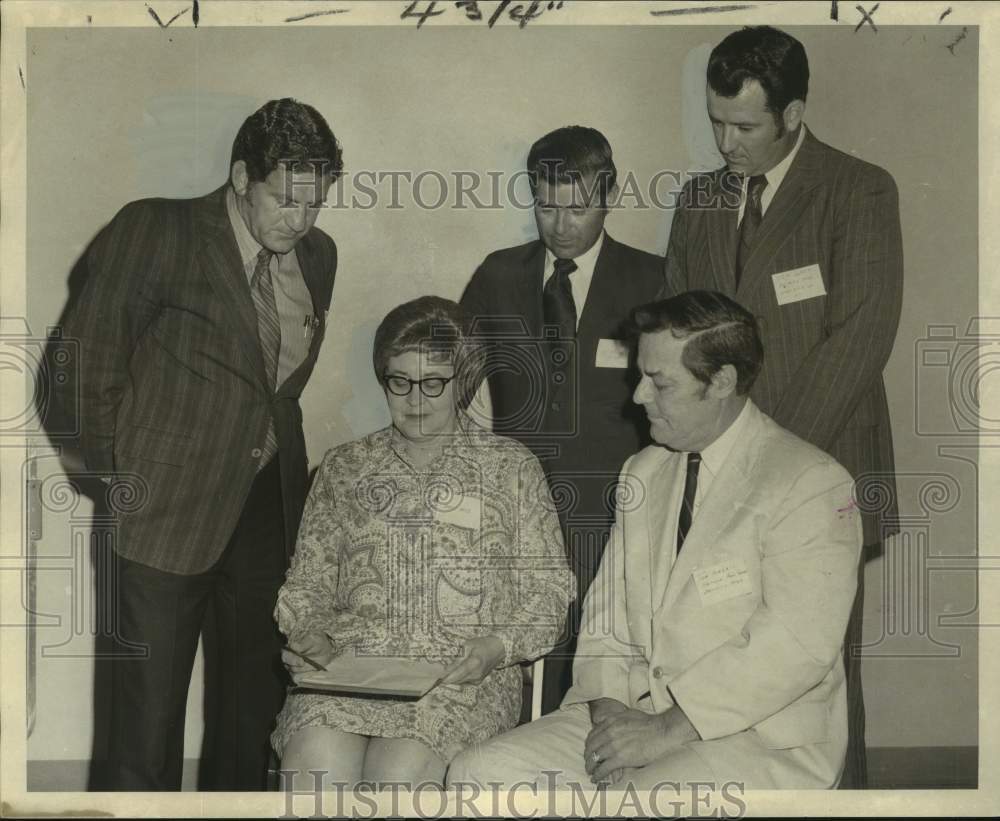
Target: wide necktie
752	216
687	504
269	333
557	300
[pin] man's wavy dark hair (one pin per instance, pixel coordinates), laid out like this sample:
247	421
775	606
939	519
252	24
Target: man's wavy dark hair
719	332
570	155
290	132
768	55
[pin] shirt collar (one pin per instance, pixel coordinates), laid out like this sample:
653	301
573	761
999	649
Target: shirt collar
714	456
585	262
777	174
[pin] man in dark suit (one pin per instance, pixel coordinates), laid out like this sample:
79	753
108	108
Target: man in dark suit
559	379
199	326
808	239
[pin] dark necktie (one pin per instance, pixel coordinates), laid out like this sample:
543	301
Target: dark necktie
687	504
557	300
752	216
269	333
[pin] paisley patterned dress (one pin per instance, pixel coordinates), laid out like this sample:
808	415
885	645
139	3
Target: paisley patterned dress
410	563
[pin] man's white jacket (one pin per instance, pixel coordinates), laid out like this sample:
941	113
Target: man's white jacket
744	629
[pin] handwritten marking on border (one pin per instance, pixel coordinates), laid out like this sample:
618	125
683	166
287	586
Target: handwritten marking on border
21	75
946	12
700	10
521	13
159	22
962	35
423	16
315	14
866	17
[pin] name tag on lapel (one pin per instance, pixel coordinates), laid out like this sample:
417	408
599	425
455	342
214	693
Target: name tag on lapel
723	581
468	514
798	284
611	353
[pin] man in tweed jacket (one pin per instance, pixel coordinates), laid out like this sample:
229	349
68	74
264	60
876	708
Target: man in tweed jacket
199	325
808	239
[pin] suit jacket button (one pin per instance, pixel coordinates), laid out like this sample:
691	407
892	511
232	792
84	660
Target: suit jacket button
657	672
256	453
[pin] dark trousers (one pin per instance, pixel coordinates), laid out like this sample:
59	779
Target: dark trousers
855	775
160	617
585	541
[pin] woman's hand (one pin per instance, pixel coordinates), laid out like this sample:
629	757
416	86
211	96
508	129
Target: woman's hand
482	655
314	645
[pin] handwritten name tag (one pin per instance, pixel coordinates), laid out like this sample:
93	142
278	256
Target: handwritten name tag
798	284
468	514
611	353
722	581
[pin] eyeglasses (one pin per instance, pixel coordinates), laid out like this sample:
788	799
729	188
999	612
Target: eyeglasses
431	387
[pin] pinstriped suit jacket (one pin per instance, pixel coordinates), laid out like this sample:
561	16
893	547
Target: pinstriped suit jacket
823	357
172	381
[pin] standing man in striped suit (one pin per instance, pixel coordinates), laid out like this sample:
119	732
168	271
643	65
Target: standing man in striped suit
199	325
808	239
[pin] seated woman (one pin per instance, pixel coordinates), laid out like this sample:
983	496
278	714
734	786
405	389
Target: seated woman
431	539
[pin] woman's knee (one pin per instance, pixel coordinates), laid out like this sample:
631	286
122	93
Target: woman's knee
337	756
402	760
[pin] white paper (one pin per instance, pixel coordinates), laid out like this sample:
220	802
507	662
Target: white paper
611	353
798	284
722	581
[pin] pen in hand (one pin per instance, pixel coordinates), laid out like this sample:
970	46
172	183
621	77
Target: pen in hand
437	681
311	662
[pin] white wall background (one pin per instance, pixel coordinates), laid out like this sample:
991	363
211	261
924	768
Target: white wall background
118	114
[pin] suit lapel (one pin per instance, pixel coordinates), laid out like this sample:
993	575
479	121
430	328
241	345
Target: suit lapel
220	260
661	529
313	274
724	499
722	236
305	253
790	204
528	288
639	567
605	297
602	294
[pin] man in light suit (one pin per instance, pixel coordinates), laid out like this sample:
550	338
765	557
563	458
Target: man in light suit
711	644
808	239
199	326
559	378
